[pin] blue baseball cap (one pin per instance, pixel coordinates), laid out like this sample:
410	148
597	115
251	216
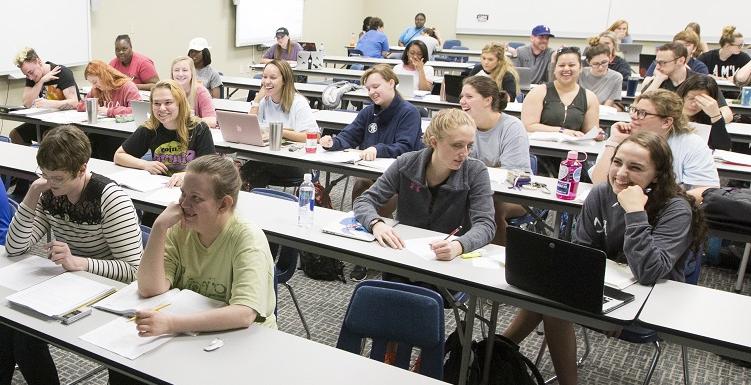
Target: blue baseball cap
542	30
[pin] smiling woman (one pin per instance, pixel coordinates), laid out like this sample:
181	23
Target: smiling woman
183	71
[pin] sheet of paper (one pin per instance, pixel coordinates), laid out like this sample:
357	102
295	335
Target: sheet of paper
732	157
120	336
28	272
336	156
30	111
617	275
421	246
165	195
63	117
127	300
379	163
560	137
139	180
60	294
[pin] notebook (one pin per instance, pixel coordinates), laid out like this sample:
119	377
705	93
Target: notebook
561	271
139	180
349	227
141	111
61	295
239	127
28	272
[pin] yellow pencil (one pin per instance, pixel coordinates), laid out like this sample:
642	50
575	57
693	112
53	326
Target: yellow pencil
160	307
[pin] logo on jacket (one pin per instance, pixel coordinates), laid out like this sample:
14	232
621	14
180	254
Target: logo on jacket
372	127
414	186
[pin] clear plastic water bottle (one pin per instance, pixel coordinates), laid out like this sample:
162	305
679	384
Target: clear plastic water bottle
306	201
569	175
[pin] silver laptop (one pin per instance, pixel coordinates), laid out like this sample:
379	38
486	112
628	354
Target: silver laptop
406	85
239	127
141	111
311	60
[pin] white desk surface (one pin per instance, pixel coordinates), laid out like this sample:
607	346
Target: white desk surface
458	52
438	65
260	353
698	316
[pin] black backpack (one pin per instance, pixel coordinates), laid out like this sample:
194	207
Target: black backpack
728	209
507	366
322	268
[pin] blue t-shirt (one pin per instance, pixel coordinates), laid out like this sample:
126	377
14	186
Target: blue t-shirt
373	43
409	34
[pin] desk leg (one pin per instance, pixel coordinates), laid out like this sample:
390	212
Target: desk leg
742	268
469	320
489	342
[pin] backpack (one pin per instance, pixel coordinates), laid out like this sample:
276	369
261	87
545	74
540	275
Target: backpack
332	94
507	366
728	208
317	266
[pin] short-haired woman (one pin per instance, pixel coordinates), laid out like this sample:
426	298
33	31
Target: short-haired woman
598	78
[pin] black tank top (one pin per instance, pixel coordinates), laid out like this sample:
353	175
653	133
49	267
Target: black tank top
555	113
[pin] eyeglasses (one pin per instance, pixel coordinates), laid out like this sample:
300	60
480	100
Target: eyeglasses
738	45
51	179
603	63
663	62
641	114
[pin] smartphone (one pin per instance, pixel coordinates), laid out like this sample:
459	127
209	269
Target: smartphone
75	315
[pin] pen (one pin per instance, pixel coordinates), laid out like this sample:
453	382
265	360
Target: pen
50	239
645	190
160	307
456	230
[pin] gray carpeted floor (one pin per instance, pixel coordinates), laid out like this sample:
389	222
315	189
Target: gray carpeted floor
611	361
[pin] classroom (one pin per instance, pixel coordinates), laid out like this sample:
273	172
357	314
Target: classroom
448	180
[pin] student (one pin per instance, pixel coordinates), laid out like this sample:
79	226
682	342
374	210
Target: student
365	26
283	49
536	55
183	72
202	245
723	62
696	28
691	41
438	188
598	78
699	94
500	140
374	43
432	41
95	229
279	101
562	105
172	134
655	233
620	29
412	32
138	67
494	64
661	112
385	129
671	72
617	63
198	50
48	85
413	62
111	87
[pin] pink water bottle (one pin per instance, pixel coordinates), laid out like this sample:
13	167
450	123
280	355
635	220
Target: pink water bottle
569	175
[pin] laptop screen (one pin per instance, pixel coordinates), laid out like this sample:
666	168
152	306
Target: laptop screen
453	87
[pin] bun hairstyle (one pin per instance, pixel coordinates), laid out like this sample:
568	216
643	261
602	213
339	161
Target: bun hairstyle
729	34
487	88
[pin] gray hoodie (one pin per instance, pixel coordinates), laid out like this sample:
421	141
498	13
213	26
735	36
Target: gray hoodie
464	199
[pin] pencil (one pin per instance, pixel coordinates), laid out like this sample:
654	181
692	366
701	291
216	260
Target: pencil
456	230
160	307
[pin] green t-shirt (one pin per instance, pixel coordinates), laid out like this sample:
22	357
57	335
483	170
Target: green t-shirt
236	269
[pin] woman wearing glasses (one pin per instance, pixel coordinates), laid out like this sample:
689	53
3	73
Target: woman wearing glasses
723	62
283	49
95	229
562	105
617	63
661	112
598	78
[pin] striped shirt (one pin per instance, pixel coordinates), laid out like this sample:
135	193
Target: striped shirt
102	227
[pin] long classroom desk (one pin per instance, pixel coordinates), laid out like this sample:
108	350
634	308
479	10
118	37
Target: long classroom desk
440	66
444	51
260	353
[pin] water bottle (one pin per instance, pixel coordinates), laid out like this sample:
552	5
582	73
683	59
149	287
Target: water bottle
306	200
352	40
322	50
569	175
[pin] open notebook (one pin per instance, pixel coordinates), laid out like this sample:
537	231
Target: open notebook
29	271
139	180
348	226
61	295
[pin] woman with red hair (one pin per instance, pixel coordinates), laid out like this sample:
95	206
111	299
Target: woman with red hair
114	90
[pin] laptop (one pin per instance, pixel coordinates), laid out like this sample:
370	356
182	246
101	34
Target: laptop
308	46
631	52
141	111
309	59
453	87
561	271
406	86
239	127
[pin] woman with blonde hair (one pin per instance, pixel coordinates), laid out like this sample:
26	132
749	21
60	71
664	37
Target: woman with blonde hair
620	29
183	71
172	134
617	63
723	62
494	64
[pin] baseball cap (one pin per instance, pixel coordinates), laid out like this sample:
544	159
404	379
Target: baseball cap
542	30
198	44
282	31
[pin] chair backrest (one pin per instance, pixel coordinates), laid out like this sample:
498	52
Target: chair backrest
221	88
525	77
145	232
451	43
354	52
515	44
385	311
274	194
286	261
4	138
459	59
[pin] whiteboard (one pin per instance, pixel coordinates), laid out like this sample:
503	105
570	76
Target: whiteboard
256	21
59	31
649	20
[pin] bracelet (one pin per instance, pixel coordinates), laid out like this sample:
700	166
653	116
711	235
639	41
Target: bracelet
376	221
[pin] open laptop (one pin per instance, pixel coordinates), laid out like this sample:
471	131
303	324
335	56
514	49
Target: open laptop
141	111
561	271
309	59
406	86
239	127
308	46
453	87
